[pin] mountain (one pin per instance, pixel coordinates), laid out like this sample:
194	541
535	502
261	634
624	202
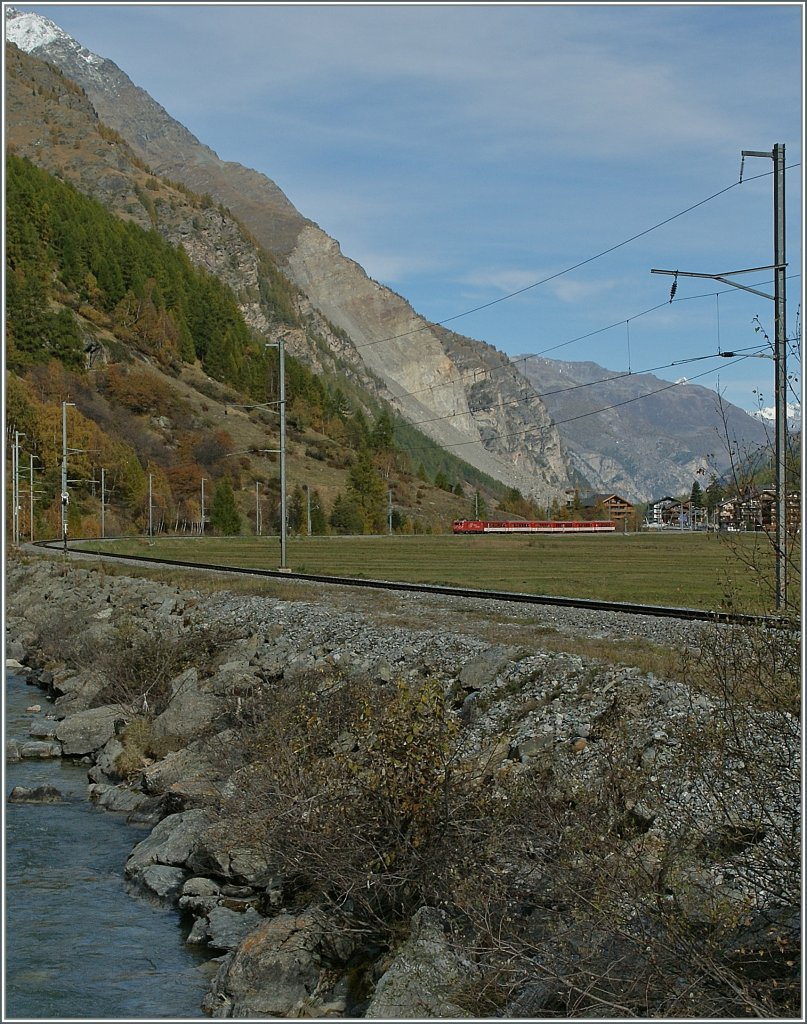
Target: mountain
407	361
768	416
658	436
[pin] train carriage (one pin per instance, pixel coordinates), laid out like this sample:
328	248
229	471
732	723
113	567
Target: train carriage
476	526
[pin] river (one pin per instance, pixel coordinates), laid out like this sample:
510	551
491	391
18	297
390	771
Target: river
77	945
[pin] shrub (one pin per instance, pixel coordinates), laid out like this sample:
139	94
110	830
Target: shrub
140	663
360	798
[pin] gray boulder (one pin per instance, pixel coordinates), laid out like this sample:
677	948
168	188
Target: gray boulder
423	980
38	795
104	770
43	729
75	691
162	882
169	845
89	730
219	852
481	671
198	767
118	798
223	928
15	654
41	749
276	971
191	709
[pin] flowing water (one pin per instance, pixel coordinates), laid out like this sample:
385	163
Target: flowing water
76	944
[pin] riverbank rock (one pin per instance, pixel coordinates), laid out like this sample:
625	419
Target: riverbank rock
161	882
43	729
15	654
169	845
120	799
74	692
423	979
625	760
88	731
283	969
40	749
38	795
223	928
194	773
191	708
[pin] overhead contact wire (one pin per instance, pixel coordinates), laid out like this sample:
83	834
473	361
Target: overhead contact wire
567	270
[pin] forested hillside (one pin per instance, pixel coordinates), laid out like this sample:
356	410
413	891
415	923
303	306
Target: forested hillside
167	380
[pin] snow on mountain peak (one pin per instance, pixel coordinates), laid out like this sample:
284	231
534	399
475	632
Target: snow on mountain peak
31	32
768	415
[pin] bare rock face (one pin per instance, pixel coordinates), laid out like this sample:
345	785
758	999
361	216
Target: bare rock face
655	439
460	392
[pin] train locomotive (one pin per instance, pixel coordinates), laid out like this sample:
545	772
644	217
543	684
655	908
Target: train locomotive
476	526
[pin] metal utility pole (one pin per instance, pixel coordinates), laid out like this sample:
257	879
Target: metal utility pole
282	403
308	510
779	265
31	496
150	520
780	368
103	505
389	512
202	515
282	454
15	487
65	495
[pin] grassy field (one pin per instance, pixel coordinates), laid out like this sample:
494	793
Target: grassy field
694	570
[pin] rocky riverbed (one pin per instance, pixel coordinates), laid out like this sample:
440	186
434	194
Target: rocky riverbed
167	694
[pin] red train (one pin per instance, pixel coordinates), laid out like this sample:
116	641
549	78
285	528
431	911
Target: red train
558	526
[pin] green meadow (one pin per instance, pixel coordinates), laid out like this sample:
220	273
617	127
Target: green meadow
694	570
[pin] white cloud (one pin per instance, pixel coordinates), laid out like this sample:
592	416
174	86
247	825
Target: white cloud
501	279
569	290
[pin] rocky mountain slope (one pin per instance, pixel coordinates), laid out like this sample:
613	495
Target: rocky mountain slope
409	361
643	450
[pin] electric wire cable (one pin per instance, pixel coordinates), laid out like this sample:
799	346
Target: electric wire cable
568	270
512	363
585	384
571	419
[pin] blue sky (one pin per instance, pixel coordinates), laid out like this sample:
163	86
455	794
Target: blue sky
461	152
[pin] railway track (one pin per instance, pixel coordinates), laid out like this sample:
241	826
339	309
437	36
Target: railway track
621	607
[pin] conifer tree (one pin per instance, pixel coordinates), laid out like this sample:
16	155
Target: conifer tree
367	490
319	524
224	515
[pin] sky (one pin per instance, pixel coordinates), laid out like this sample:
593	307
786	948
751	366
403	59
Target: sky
465	152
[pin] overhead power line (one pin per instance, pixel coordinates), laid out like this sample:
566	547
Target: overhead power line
584	384
567	270
571	419
512	364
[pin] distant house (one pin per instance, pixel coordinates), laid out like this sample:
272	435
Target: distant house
659	513
606	506
756	510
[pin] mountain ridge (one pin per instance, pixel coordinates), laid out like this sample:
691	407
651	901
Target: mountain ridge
685	433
